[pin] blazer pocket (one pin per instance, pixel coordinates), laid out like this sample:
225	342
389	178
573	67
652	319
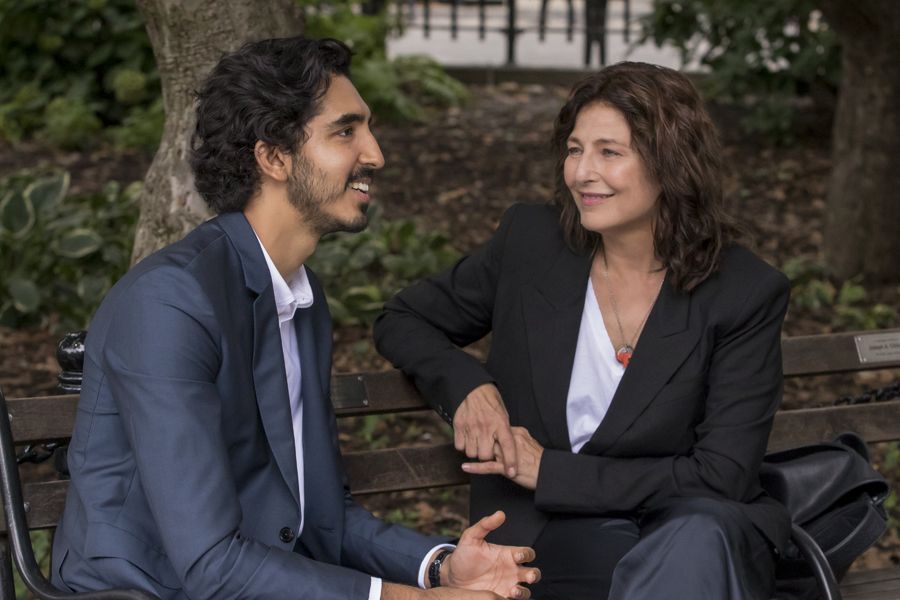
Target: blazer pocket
110	542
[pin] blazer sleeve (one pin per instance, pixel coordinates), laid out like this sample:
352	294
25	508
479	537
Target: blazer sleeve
161	358
423	327
743	392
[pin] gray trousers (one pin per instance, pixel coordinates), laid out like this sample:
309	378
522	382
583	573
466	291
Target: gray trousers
689	549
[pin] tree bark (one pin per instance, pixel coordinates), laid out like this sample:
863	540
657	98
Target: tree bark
862	231
188	37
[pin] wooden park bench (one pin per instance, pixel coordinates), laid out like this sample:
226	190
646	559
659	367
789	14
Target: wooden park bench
38	505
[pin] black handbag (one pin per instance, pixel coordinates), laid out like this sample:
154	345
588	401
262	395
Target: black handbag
834	495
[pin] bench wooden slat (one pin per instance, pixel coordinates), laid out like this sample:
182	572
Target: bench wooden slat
374	393
832	353
871	575
880	584
45	501
874	422
369	472
397	469
42	418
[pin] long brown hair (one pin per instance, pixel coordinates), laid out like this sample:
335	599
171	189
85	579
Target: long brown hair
676	139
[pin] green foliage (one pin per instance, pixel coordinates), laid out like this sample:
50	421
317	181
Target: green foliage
339	19
141	129
407	88
59	254
361	271
846	304
41	541
70	67
403	89
70	123
764	53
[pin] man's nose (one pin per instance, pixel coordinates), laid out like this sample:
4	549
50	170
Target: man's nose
371	155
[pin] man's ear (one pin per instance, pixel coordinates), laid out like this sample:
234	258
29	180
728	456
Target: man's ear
273	162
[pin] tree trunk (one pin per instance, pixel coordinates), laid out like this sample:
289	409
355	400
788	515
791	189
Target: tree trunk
862	231
188	37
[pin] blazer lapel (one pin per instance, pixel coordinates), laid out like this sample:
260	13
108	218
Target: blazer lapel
269	380
321	462
552	309
664	344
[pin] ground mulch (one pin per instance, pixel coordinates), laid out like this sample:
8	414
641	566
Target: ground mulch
457	174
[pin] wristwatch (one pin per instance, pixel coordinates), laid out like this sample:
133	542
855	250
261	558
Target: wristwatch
434	570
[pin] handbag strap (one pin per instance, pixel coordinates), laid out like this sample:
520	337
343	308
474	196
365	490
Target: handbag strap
866	533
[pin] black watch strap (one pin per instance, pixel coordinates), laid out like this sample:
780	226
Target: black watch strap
434	570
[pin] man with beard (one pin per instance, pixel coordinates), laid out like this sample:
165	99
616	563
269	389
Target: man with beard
204	459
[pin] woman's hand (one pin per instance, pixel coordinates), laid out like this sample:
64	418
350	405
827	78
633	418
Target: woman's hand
481	425
528	460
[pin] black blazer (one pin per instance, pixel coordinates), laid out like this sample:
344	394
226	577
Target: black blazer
691	415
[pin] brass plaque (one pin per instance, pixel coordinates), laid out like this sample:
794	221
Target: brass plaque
878	347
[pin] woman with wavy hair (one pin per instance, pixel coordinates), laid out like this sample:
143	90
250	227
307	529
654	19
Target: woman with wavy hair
635	365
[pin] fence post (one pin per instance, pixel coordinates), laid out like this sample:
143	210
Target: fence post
511	33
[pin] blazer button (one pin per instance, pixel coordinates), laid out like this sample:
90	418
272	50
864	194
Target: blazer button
286	535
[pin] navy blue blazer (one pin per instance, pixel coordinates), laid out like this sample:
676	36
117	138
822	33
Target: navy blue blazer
184	479
690	417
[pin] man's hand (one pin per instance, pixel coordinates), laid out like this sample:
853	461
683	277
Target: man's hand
479	565
480	424
528	456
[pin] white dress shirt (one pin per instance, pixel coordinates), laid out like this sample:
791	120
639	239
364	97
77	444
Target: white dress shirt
595	375
289	296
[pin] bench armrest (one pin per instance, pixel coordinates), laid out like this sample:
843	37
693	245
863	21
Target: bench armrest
818	564
18	538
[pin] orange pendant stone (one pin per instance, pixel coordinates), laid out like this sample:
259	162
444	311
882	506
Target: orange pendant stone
623	355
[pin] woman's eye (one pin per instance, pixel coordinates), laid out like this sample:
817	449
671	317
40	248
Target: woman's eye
609	152
573	151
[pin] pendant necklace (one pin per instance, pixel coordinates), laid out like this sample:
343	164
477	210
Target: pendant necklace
624	352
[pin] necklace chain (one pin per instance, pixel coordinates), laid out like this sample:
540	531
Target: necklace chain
624	352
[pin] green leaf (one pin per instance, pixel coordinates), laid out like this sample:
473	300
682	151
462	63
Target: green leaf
47	193
91	288
851	293
16	214
78	243
24	293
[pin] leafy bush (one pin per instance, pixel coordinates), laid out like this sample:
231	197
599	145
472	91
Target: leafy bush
361	271
141	129
365	34
845	304
407	88
68	67
764	53
70	123
60	254
403	89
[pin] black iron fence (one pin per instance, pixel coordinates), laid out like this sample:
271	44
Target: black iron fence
588	17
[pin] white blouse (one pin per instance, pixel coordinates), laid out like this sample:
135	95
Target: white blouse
595	375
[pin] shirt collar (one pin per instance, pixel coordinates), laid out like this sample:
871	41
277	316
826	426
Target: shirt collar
289	296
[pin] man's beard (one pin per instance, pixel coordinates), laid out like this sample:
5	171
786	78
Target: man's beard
311	194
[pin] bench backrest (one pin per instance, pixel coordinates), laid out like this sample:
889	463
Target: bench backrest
42	419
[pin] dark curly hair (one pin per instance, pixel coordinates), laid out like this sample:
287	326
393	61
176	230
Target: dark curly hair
677	141
268	91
